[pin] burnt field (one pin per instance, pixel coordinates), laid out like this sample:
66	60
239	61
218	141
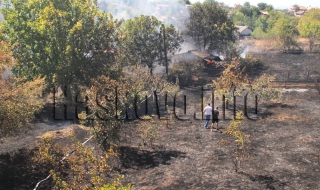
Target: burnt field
284	150
285	139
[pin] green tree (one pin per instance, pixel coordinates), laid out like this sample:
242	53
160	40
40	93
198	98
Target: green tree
262	6
255	12
210	25
260	30
269	8
246	4
239	18
245	10
68	41
146	41
273	17
262	23
259	33
285	32
309	26
246	16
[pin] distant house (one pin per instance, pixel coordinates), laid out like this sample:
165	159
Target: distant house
243	31
298	11
300	8
264	13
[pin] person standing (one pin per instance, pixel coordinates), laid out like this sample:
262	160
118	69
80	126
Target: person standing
207	112
215	118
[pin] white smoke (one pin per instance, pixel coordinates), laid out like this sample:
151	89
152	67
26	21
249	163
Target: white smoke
169	12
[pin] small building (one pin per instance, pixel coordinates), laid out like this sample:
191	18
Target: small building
207	59
264	13
299	13
243	31
298	10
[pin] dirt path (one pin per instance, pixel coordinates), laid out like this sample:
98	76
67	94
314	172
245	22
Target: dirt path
29	139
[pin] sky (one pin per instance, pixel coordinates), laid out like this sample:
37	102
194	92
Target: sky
277	4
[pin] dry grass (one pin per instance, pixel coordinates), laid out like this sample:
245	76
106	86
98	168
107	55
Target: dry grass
224	142
285	117
63	133
272	44
303	40
303	43
265	44
214	158
305	139
292	85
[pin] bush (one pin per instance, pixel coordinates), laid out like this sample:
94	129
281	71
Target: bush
19	103
241	139
184	71
19	100
251	63
85	167
234	81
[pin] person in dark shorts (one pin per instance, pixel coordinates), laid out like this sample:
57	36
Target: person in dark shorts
215	118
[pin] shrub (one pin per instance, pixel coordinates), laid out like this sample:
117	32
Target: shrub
241	140
19	103
84	167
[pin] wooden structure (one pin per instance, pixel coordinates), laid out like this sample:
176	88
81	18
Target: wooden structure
208	60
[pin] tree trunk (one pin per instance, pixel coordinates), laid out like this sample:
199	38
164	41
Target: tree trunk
311	43
151	71
165	48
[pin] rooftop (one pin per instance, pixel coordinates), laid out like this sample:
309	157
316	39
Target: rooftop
241	28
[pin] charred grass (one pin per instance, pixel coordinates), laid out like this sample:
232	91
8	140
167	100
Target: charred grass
284	151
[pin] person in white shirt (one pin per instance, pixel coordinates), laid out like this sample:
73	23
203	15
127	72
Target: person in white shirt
207	112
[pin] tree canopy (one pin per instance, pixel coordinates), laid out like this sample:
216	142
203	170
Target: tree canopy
262	6
147	41
309	26
210	26
68	41
247	4
285	31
